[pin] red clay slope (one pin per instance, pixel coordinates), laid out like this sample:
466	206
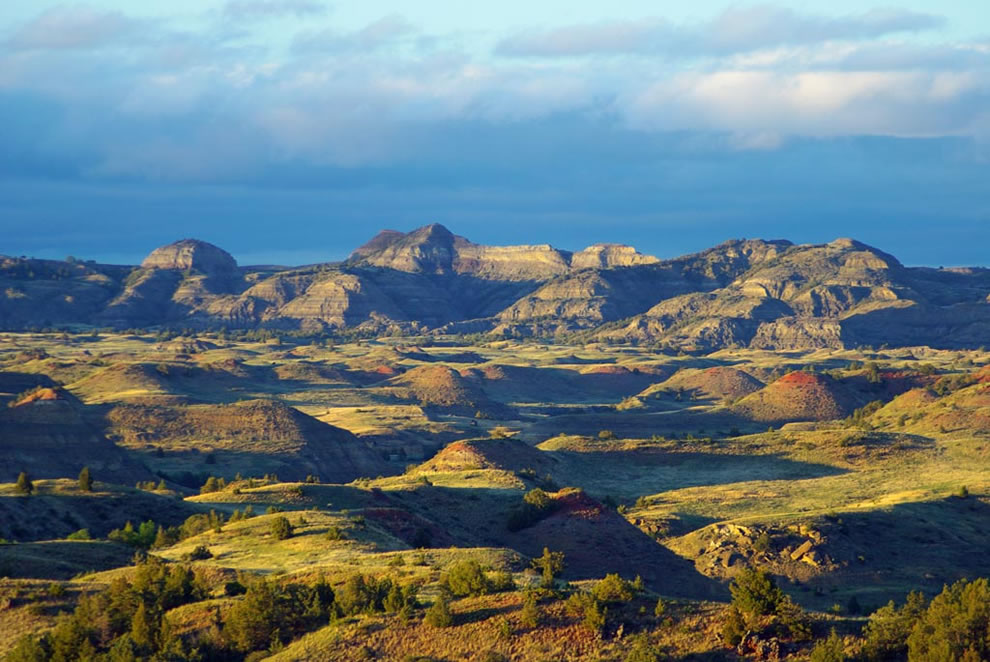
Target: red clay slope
799	396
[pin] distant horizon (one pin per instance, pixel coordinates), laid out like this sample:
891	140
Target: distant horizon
290	130
241	263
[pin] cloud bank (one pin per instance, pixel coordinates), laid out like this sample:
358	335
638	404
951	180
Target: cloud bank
759	120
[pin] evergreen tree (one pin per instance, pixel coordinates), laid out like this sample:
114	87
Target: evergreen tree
530	614
956	625
24	484
755	594
550	564
642	651
594	618
85	480
142	628
829	650
439	614
281	528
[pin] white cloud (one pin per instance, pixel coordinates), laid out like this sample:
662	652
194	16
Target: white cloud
736	30
250	10
73	28
373	96
386	31
815	103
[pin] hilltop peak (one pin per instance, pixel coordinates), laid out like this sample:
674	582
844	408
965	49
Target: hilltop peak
190	254
880	259
429	249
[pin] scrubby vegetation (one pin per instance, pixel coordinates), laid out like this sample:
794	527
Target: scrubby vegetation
343	513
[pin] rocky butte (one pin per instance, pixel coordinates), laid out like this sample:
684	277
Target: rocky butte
748	293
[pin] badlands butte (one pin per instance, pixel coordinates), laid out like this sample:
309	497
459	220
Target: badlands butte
742	293
441	451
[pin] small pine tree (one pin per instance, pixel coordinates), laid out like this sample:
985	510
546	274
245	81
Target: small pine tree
24	484
755	594
281	528
829	650
439	614
734	627
594	618
211	485
530	615
394	601
85	480
550	565
642	651
661	609
142	632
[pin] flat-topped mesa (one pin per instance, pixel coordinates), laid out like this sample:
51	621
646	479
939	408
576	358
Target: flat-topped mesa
607	256
193	254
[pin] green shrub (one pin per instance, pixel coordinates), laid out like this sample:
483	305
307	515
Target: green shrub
613	589
200	553
281	528
466	578
439	614
754	593
642	651
734	627
577	602
829	650
530	615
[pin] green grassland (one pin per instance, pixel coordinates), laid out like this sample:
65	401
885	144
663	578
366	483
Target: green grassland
676	485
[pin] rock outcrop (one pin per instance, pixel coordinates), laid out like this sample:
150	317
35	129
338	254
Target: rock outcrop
745	292
191	254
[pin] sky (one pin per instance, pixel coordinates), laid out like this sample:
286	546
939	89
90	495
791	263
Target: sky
291	131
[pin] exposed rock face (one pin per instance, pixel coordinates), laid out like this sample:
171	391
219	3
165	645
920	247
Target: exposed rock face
745	292
427	250
435	250
608	256
191	254
808	297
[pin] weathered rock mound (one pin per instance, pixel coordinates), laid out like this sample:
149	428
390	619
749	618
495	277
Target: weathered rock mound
191	254
265	434
442	388
715	383
500	454
799	396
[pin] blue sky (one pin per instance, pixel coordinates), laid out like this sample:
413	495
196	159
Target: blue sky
290	131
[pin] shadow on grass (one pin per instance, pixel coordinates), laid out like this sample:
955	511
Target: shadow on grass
628	474
884	554
61	559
